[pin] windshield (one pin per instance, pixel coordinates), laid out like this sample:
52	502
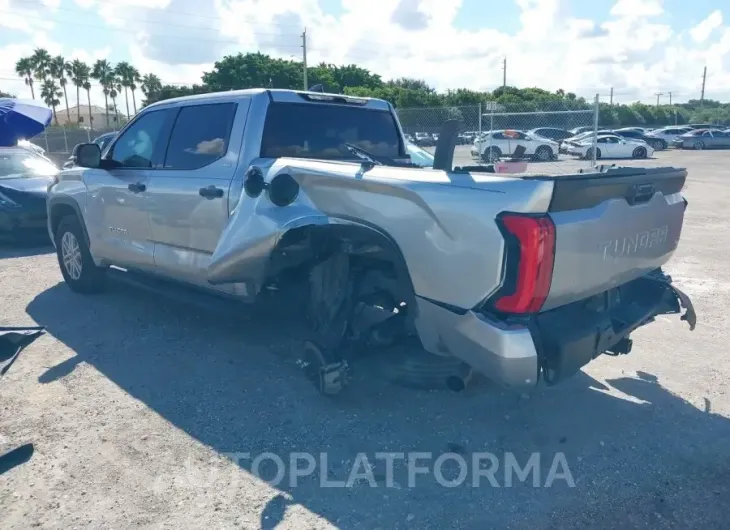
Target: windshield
420	156
17	164
321	131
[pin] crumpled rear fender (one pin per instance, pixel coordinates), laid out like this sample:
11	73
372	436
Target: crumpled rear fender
256	226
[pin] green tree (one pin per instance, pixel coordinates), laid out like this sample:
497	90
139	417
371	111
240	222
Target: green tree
80	73
57	69
24	68
41	61
151	86
103	72
50	92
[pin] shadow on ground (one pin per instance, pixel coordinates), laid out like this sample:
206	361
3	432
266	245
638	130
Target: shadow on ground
638	454
25	250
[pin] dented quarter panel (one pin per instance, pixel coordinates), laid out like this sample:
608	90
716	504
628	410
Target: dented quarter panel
445	231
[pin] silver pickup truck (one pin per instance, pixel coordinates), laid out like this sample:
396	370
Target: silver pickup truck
521	278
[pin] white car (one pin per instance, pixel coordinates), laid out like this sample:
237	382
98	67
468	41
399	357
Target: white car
495	144
611	146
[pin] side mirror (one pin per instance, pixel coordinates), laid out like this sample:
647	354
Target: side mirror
87	155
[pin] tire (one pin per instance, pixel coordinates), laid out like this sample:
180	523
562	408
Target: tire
544	153
659	145
589	153
77	266
491	154
639	152
699	145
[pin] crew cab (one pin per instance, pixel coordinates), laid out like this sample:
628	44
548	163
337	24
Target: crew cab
241	194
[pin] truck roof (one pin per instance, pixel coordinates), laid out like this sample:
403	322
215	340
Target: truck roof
276	94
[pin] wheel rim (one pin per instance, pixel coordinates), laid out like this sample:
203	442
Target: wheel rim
543	153
71	255
699	145
640	152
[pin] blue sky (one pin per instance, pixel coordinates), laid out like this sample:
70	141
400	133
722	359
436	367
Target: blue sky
644	46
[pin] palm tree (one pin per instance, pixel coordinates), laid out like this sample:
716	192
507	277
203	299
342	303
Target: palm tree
41	60
79	73
134	79
51	94
151	84
58	69
124	74
87	87
24	69
114	88
102	72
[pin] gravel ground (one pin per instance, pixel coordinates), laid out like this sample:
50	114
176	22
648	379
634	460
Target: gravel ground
134	406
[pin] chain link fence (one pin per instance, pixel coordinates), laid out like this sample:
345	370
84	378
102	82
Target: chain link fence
491	132
58	142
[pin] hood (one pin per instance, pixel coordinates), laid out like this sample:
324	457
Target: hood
28	185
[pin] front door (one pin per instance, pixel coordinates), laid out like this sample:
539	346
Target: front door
116	216
189	196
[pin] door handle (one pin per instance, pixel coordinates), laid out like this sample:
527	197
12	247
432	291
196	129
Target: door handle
211	192
137	187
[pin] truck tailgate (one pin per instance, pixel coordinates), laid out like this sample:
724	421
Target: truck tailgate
612	227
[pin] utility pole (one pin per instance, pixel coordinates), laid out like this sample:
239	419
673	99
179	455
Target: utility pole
658	94
704	79
504	72
670	99
304	57
611	97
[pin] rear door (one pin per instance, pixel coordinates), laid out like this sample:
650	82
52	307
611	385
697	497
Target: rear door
188	198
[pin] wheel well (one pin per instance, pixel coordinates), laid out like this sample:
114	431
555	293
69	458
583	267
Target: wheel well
369	249
61	210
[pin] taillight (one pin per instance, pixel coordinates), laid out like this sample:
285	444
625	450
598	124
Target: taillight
530	253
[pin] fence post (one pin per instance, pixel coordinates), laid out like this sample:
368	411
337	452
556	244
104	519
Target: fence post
595	132
45	137
65	138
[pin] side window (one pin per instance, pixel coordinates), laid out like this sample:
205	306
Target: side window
498	136
707	133
602	140
200	135
135	147
613	140
519	136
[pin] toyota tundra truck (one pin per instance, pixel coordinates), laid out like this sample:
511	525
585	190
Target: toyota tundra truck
236	195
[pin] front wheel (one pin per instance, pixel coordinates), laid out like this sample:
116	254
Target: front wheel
77	266
639	152
699	145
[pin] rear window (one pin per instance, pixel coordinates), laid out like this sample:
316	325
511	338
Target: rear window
321	131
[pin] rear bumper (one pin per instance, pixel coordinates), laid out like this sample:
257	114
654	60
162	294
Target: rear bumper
555	344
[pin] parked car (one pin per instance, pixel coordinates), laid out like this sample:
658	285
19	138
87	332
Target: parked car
419	156
702	126
424	139
275	192
611	146
495	144
24	178
703	139
551	133
669	134
658	144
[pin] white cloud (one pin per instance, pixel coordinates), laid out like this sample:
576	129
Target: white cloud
702	31
634	50
637	8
